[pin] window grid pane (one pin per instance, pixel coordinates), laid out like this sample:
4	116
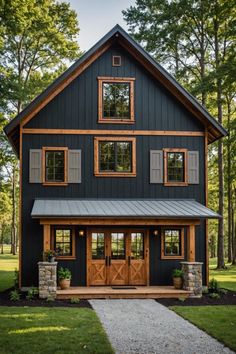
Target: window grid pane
115	156
63	242
175	167
137	245
98	245
116	100
117	245
172	242
54	166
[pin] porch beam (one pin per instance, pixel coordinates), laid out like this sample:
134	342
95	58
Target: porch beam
46	237
191	243
116	221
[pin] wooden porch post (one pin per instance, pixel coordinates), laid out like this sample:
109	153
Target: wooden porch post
191	243
46	237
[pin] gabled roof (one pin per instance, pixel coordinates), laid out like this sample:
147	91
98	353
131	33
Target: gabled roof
121	208
116	34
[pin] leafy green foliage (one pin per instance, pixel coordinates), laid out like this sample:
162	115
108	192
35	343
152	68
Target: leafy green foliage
215	296
213	286
64	273
32	293
15	295
75	300
177	273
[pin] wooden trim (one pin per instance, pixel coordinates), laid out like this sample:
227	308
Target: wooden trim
117	221
20	211
66	82
175	184
101	119
147	255
97	173
64	227
191	243
57	148
163	256
113	60
206	203
46	238
111	132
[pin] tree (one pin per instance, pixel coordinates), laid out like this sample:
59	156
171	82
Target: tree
38	40
204	38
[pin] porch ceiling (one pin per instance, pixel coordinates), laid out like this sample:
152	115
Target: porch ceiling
121	208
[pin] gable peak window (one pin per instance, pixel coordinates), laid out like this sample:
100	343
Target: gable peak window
175	161
115	156
115	100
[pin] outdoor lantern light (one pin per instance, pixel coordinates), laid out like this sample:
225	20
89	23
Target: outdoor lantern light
81	232
155	232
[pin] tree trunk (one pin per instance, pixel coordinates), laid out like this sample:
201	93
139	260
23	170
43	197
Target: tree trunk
1	242
229	185
234	232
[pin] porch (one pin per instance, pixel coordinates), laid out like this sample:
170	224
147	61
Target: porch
122	292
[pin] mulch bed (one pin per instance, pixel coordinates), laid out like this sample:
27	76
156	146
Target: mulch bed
205	300
5	301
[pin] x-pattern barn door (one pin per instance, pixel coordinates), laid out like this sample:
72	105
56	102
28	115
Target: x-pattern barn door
117	257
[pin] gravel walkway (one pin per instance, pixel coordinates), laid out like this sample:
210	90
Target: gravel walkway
147	327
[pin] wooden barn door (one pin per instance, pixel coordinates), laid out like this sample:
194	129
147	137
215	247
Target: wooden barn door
118	265
137	258
96	258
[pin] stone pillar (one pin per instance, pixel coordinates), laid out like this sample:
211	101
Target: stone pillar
192	278
47	280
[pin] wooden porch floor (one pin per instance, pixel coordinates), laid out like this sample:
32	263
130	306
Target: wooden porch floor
107	292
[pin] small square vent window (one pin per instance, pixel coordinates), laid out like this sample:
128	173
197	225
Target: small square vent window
116	60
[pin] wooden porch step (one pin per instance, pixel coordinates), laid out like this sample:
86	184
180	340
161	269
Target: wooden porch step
107	292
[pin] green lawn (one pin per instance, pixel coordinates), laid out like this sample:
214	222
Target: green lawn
51	330
8	263
227	277
218	321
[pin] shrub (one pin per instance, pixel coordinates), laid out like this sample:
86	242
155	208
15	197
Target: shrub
32	293
64	273
214	296
182	298
15	295
213	286
75	300
223	291
177	273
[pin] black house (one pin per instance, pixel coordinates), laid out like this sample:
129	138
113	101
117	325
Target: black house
113	174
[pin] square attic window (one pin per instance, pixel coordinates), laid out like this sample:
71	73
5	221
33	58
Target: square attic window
116	60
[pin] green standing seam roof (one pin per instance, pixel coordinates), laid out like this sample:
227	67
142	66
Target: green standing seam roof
121	208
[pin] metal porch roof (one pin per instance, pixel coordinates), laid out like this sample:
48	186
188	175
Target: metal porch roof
121	208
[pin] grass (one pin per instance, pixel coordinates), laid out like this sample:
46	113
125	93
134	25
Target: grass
218	321
8	264
226	277
51	330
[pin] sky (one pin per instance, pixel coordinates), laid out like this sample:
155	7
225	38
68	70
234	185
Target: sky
97	17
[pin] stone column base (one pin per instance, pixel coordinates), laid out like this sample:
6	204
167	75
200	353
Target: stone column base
47	280
192	278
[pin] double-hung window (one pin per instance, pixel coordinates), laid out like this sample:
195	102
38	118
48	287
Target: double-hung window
172	243
54	165
175	165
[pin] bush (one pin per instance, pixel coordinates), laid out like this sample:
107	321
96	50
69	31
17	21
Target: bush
64	273
32	293
214	296
223	291
177	273
75	300
213	286
15	295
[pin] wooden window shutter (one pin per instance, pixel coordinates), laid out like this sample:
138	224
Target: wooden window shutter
35	166
74	166
156	166
193	167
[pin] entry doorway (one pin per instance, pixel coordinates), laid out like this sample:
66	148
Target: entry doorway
117	257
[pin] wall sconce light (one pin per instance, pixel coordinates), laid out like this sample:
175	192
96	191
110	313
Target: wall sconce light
155	232
81	232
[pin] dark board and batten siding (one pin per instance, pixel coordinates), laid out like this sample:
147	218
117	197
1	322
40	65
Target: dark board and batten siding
76	108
